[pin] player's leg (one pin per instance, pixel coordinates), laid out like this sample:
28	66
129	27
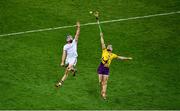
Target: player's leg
74	70
66	73
68	69
60	82
104	85
100	79
100	74
73	62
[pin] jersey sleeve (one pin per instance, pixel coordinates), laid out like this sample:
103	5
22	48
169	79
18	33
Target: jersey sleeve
114	56
104	50
74	41
65	48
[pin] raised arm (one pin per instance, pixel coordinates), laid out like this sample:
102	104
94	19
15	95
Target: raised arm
102	41
124	58
63	57
77	31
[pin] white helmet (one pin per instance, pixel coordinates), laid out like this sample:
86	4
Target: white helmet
69	38
109	47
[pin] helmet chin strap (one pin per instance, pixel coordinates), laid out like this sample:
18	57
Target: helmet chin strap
69	41
109	50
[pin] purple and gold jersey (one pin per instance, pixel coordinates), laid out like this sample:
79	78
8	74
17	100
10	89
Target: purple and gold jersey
107	57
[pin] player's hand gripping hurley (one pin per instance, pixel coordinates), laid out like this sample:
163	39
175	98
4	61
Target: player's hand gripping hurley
96	14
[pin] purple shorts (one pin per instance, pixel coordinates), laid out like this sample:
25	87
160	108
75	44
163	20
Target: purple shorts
103	70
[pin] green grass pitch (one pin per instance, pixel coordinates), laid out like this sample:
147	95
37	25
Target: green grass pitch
29	63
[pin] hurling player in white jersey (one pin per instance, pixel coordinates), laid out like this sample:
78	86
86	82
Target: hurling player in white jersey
69	56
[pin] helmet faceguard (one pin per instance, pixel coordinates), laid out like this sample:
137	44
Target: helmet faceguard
109	48
69	38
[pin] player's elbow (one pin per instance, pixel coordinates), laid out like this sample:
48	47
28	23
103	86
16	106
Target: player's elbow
76	38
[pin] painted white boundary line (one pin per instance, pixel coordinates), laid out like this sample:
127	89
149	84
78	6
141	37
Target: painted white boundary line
93	23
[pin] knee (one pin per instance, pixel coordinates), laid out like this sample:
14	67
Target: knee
100	81
104	82
68	69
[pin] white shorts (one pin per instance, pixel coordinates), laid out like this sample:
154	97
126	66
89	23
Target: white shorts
71	61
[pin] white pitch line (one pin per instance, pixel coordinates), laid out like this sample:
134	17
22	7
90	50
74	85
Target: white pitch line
93	23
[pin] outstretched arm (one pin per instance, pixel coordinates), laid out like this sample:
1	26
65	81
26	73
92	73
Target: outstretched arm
102	41
63	58
124	58
77	31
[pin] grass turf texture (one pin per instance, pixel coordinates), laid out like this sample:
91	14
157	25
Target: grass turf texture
29	63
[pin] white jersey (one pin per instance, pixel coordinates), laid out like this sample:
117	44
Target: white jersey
71	49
